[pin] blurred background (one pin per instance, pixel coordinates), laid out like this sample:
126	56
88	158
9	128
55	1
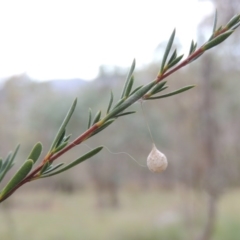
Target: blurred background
54	51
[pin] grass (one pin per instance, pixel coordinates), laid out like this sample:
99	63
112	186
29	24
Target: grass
150	215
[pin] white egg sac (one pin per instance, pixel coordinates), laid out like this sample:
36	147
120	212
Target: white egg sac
156	160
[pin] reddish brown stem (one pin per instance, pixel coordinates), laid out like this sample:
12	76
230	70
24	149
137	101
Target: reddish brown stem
182	64
51	158
77	141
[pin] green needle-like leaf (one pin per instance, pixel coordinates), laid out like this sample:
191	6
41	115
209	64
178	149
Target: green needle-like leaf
219	29
36	152
97	117
66	138
234	20
52	168
175	61
76	162
162	89
1	163
14	154
215	22
191	48
110	102
119	103
235	26
63	126
60	147
125	113
157	87
217	40
61	138
106	124
171	93
89	117
174	55
195	47
135	90
18	177
199	55
129	86
5	162
214	31
129	101
8	163
11	166
44	168
130	73
168	48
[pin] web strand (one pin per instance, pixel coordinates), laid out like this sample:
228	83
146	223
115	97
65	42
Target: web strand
145	119
116	153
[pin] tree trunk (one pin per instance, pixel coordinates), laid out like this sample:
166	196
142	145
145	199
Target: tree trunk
211	219
209	132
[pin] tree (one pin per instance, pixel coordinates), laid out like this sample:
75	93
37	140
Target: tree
214	178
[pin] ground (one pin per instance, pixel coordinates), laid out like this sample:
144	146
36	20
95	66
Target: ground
148	215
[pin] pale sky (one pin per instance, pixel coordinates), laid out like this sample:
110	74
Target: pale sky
49	39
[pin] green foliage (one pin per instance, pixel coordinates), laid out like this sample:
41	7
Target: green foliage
90	117
217	40
60	145
88	155
110	103
60	134
171	93
168	48
17	178
8	163
97	117
129	81
36	152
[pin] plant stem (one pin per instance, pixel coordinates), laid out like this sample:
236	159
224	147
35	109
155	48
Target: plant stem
127	101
